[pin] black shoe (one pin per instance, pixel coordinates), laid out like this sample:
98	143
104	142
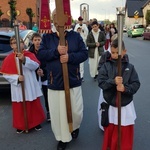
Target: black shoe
61	145
75	133
82	79
38	127
95	78
19	131
48	117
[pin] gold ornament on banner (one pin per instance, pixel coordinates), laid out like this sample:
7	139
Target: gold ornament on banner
45	21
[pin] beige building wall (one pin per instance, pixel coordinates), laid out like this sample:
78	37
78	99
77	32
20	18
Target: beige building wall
147	7
129	21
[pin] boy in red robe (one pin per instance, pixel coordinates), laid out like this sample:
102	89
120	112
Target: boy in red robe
11	72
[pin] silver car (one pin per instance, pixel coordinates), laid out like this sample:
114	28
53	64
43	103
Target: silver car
5	49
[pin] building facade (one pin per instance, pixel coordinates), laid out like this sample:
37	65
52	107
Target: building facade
21	6
145	8
136	6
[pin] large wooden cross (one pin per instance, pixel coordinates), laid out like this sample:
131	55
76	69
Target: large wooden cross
61	20
16	28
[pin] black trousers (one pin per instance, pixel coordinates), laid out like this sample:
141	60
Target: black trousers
45	94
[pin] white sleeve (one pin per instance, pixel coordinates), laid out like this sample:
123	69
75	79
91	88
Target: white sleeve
12	79
76	27
30	64
86	30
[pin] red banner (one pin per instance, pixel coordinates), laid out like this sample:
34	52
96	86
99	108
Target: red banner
67	12
45	20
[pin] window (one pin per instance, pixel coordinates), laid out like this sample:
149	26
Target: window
138	26
4	45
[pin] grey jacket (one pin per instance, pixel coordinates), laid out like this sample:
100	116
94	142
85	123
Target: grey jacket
91	44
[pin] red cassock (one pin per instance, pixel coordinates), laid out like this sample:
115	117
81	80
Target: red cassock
111	137
35	112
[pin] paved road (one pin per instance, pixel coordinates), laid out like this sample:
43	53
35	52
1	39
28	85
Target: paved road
90	137
139	53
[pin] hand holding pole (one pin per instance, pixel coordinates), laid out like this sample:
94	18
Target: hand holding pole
61	19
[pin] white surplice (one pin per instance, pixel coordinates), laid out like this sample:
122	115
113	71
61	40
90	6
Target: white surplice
93	62
128	114
31	85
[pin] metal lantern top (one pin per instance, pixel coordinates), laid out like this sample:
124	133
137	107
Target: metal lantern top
120	10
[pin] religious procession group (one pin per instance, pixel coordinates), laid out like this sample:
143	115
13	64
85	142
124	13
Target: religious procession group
44	67
102	44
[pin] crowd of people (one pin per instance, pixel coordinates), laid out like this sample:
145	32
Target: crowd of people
24	27
42	74
97	38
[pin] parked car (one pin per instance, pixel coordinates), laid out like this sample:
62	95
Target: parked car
148	27
5	49
135	30
146	35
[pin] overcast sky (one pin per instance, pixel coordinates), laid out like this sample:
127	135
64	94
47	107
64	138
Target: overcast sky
100	9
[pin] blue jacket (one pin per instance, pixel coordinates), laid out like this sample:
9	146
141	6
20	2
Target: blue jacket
77	54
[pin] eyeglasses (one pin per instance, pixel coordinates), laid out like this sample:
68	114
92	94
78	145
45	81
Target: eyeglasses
16	42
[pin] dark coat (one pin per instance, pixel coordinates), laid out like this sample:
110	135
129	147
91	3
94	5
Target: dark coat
106	56
106	81
91	44
42	66
77	54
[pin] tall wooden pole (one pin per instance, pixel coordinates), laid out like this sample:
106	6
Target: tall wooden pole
16	27
61	19
120	21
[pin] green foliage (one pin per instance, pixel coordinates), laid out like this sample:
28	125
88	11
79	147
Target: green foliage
147	17
12	4
107	21
1	13
13	12
29	12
